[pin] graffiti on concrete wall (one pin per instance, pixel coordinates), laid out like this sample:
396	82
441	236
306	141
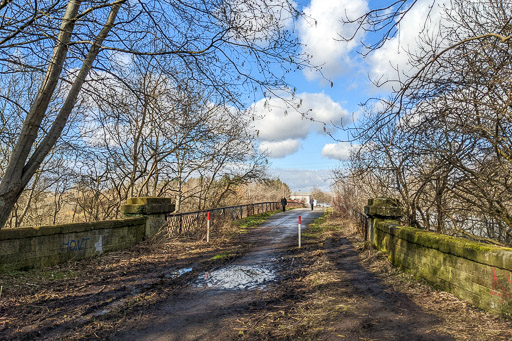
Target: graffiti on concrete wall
99	245
72	245
501	288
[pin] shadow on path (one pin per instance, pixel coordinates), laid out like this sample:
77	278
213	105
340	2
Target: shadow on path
381	313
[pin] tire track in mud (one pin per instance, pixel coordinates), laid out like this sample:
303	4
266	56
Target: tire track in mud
205	309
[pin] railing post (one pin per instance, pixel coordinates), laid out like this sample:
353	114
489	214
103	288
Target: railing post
363	220
381	209
152	208
208	228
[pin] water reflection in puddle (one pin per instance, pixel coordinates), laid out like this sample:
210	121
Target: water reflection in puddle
237	277
177	273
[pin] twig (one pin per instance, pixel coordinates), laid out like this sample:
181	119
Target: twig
101	289
259	320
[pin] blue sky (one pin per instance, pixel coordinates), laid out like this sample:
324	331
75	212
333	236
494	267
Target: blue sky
302	159
299	153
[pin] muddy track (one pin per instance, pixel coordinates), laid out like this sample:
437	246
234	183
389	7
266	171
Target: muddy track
334	287
208	306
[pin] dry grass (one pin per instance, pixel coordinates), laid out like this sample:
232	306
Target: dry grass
313	303
459	318
93	298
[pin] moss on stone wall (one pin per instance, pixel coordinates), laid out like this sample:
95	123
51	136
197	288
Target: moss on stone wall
32	247
482	253
147	205
479	273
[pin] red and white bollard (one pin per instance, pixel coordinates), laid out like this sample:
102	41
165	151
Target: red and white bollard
208	229
300	242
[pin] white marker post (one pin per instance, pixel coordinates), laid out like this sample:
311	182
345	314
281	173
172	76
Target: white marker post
208	229
299	234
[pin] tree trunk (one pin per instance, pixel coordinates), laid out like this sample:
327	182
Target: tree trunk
19	171
7	201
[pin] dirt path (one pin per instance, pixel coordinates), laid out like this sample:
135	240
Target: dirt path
381	313
262	287
206	309
339	288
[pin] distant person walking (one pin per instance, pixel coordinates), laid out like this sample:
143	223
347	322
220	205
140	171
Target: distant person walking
312	203
284	202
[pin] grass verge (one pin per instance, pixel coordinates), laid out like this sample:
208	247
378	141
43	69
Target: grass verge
322	225
327	294
254	220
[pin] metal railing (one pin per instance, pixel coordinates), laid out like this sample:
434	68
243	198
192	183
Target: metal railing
193	224
362	223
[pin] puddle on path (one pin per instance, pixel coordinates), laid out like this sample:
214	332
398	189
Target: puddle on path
237	277
177	273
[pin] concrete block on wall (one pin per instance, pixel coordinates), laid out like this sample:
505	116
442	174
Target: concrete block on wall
27	248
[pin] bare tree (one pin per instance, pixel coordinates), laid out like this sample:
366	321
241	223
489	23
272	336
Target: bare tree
267	189
320	195
451	121
382	22
153	133
229	46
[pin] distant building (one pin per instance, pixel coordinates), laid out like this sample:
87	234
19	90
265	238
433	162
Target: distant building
303	198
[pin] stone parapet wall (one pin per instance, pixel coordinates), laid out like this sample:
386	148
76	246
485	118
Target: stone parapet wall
476	272
35	247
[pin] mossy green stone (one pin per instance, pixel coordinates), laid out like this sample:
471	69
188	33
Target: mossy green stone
9	247
478	252
147	205
479	273
25	232
149	201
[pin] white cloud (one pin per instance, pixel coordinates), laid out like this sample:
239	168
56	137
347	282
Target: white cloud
279	149
421	19
304	180
281	126
281	121
320	32
122	59
337	151
108	135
